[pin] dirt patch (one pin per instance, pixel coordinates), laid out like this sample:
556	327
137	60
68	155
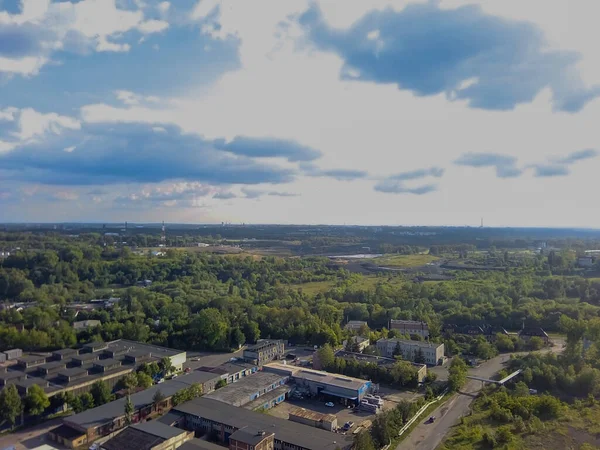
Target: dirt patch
561	439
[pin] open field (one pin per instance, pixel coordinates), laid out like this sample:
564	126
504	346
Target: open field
404	261
366	282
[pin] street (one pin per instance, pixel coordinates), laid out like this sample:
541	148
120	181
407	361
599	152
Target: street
429	436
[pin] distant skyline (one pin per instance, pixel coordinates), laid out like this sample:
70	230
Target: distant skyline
381	112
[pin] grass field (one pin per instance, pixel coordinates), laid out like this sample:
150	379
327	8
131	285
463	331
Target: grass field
404	260
368	282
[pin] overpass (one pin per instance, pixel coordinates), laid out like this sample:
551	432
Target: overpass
498	382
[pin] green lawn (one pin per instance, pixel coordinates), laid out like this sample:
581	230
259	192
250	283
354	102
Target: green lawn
314	287
404	260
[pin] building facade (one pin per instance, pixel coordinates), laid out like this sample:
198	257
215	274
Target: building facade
409	327
433	354
264	351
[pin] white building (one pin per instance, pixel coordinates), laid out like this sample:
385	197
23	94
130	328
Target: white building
409	327
432	352
585	261
361	342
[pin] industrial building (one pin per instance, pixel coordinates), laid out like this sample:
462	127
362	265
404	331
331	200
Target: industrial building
76	370
359	342
94	423
250	388
433	354
264	351
148	436
231	371
204	415
409	327
314	419
381	361
324	385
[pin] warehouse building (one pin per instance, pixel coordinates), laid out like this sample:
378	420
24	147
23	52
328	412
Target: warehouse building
264	351
433	354
205	416
249	389
324	385
94	423
314	419
270	399
231	371
148	436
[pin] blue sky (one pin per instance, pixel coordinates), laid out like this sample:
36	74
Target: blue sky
329	111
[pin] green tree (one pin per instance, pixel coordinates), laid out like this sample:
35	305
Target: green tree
364	441
101	393
221	383
536	343
419	357
87	401
144	380
36	400
10	404
326	356
129	409
166	366
157	398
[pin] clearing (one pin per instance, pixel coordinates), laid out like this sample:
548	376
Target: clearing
404	261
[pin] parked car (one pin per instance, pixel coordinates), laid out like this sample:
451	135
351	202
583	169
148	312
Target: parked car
329	404
348	425
188	370
431	419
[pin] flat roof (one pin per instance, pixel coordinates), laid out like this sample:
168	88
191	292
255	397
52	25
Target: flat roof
65	351
199	444
52	365
73	371
66	432
251	436
30	358
107	362
11	374
263	344
421	344
28	382
312	415
108	412
268	397
319	376
158	429
246	387
132	439
155	350
285	430
86	356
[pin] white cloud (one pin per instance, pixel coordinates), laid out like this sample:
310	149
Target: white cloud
153	26
33	124
29	65
164	7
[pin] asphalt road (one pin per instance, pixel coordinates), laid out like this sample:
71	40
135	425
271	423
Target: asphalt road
429	436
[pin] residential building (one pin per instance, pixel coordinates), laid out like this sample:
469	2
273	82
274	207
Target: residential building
148	436
314	419
490	332
264	351
323	385
527	333
249	438
358	343
355	325
409	327
433	354
206	416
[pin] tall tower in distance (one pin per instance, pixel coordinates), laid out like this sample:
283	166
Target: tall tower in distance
481	226
163	234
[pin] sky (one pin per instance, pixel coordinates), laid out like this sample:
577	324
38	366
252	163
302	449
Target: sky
387	112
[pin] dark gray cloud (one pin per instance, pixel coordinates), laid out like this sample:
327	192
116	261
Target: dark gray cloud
396	184
133	153
506	166
430	50
225	195
268	147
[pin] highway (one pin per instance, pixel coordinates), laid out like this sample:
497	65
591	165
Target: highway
429	436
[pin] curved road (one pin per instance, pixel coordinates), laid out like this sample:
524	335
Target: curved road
429	436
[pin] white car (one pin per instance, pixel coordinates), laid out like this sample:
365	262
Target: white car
329	404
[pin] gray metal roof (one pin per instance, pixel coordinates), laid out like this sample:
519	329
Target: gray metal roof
158	429
107	413
239	393
199	444
286	431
